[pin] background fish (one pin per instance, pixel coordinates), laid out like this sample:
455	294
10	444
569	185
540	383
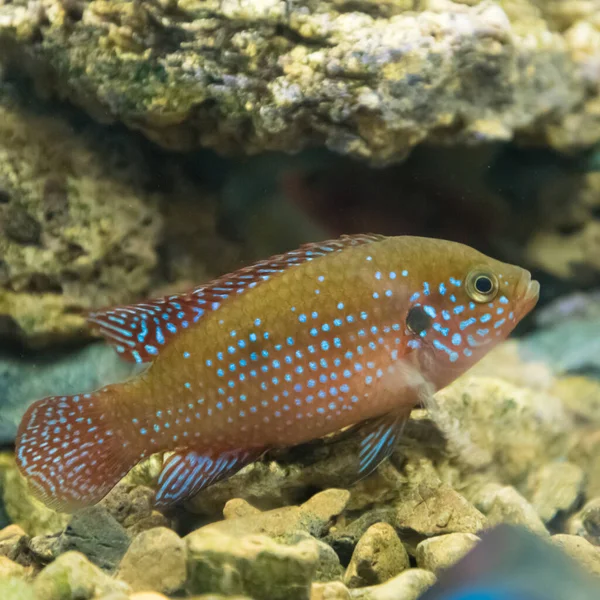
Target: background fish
511	563
355	330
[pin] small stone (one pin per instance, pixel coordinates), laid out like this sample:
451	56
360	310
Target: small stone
378	556
13	541
147	596
95	533
409	585
73	577
437	509
344	539
238	508
255	565
313	517
508	506
9	568
155	560
132	506
586	523
443	551
16	589
581	550
334	590
556	487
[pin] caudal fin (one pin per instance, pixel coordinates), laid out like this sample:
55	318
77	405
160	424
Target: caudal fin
70	451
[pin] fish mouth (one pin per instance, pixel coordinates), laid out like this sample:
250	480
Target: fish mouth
528	292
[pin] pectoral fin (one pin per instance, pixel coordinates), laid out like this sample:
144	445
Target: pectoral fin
379	439
184	474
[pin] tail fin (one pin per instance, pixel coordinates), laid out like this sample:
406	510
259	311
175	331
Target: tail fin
70	451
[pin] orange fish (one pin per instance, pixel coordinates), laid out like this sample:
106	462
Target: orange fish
351	331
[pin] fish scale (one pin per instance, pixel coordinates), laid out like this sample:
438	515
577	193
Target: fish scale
351	331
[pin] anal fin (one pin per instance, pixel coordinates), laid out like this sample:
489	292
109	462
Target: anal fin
185	473
379	439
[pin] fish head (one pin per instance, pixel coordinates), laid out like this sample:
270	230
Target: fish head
463	304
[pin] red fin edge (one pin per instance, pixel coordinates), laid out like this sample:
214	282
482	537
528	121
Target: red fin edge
70	452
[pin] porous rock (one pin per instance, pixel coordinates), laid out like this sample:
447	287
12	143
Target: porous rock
443	551
409	585
371	82
255	565
492	424
77	227
155	560
378	556
72	577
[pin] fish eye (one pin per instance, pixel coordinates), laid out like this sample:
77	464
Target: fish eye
417	320
482	286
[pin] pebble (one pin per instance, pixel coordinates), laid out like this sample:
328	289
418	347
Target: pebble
13	541
255	566
329	567
409	585
132	507
437	509
9	568
581	550
147	596
504	504
238	508
334	590
93	531
343	539
443	551
16	589
378	557
556	487
314	517
586	523
73	577
155	560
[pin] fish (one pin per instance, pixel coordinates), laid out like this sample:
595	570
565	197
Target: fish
512	563
352	332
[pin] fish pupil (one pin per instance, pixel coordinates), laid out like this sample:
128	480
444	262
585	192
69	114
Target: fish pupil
483	284
417	320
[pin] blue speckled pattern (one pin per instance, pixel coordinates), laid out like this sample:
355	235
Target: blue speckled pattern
287	350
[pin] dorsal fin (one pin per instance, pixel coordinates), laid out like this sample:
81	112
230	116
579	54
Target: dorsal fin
139	331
